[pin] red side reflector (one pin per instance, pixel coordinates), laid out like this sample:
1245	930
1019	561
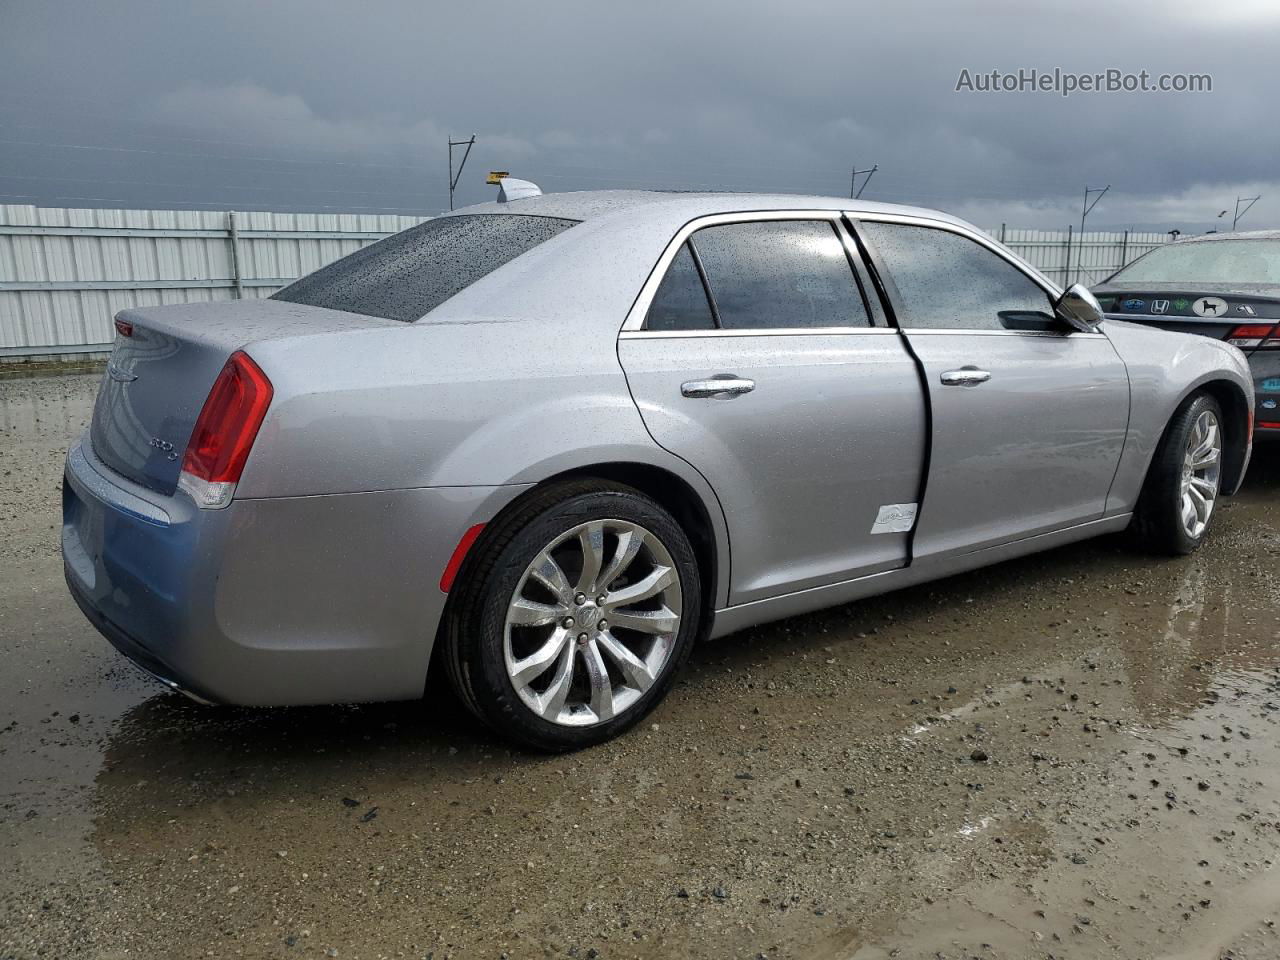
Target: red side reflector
228	422
1267	425
459	554
124	327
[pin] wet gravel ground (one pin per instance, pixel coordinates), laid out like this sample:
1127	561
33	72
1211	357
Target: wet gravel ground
1073	755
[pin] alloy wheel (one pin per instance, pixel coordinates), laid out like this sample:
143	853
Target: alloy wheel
592	622
1201	470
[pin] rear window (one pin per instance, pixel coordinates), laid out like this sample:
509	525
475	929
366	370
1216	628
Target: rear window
1207	261
408	275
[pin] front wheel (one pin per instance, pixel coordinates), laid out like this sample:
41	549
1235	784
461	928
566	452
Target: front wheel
1183	482
574	619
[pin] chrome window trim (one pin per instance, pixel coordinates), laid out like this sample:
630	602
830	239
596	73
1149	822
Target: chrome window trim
984	332
633	326
753	332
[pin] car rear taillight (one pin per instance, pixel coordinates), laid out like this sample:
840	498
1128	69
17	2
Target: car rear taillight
224	432
1254	335
124	327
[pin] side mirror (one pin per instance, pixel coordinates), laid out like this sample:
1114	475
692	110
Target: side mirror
1080	308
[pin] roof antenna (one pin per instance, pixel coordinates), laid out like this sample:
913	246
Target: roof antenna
509	188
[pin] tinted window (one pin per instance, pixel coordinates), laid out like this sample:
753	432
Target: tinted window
1208	261
406	276
780	273
681	301
950	282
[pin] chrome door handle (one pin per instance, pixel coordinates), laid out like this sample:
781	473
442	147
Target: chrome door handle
719	386
964	377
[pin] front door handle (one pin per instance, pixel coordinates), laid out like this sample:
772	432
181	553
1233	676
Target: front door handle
964	377
721	385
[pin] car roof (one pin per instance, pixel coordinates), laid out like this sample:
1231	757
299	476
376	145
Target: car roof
565	277
667	204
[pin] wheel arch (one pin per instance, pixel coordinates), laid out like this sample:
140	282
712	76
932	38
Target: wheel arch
1146	440
1237	425
698	513
702	522
679	498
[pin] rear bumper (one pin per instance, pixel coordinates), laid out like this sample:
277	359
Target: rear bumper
296	600
128	646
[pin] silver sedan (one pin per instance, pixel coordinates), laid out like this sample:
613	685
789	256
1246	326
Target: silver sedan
545	444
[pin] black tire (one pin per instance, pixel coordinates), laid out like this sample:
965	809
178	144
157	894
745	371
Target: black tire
1157	524
474	628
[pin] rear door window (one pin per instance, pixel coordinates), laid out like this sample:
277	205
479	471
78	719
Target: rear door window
681	302
780	274
406	276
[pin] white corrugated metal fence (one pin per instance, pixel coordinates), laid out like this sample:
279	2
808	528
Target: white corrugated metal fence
1066	256
64	273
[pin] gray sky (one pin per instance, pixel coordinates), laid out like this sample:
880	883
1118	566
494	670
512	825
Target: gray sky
343	106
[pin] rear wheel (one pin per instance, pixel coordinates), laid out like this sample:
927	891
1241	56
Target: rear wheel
575	617
1181	490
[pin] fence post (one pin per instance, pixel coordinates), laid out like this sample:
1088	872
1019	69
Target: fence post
1066	270
233	232
1002	233
1124	248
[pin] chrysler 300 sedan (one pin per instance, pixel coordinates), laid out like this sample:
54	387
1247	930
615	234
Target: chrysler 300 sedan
545	444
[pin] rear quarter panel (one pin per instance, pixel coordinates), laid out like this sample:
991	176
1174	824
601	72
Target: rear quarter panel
1164	369
512	381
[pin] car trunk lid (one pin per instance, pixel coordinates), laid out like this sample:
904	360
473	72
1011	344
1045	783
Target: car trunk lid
163	364
1211	310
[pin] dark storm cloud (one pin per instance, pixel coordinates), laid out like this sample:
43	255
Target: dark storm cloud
346	106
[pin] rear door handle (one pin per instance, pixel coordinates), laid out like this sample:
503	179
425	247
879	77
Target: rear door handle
964	377
721	385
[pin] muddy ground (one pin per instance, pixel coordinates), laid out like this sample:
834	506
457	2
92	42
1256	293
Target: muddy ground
1070	756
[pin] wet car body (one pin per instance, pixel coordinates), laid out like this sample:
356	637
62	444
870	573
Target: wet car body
1241	312
386	443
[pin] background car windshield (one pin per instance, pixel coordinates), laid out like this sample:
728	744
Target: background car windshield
408	275
1209	261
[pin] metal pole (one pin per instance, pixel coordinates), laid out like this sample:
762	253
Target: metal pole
1002	233
233	232
1124	248
870	173
853	179
1084	212
1066	271
1240	213
453	180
